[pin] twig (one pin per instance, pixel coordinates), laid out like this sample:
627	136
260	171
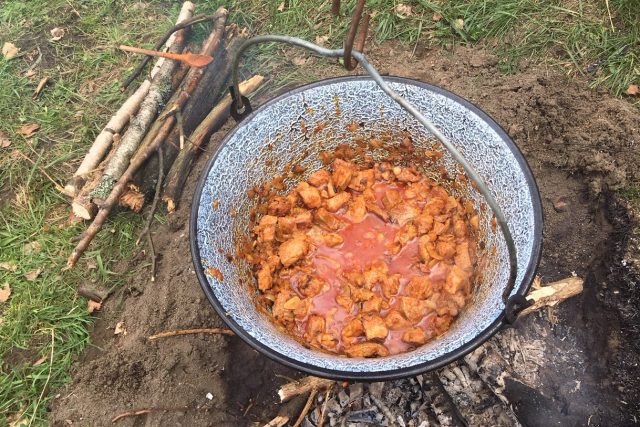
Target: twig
303	386
384	408
144	411
165	37
278	421
306	408
325	404
156	196
46	383
180	128
217	331
610	18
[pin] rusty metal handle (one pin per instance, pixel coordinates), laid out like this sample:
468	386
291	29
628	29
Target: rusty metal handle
455	153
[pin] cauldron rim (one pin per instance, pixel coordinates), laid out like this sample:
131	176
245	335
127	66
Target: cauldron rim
391	374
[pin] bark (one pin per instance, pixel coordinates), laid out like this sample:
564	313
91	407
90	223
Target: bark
182	166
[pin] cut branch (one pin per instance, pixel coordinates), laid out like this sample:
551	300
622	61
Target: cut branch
216	331
303	386
553	293
182	165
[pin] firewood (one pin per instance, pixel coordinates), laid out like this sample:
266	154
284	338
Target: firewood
103	141
288	412
157	96
132	198
553	293
441	403
213	122
303	386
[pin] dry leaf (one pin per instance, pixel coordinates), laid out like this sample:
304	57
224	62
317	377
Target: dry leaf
436	17
32	247
9	50
633	90
33	274
321	40
40	361
4	140
20	422
299	60
5	292
403	9
29	129
41	85
458	24
281	7
94	306
91	264
9	266
57	33
120	329
30	73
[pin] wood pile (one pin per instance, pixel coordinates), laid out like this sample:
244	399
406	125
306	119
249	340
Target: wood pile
144	154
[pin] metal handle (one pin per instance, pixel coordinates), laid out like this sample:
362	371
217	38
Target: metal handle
336	53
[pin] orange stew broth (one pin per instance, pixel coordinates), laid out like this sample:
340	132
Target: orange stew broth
364	242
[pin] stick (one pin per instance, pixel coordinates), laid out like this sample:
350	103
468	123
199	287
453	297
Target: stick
306	408
158	46
115	125
217	331
610	18
441	403
131	140
553	293
154	204
325	404
144	411
213	122
278	421
303	386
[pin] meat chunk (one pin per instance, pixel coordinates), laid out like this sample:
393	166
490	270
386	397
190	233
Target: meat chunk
391	198
419	287
373	305
352	331
326	220
342	173
315	326
377	210
337	201
266	228
328	341
320	237
414	336
310	287
292	250
375	274
407	233
395	320
404	212
391	285
361	294
279	206
459	228
362	180
344	299
264	277
301	217
374	327
310	195
405	174
357	209
424	222
434	206
463	259
423	244
446	245
367	349
319	178
285	228
457	279
413	309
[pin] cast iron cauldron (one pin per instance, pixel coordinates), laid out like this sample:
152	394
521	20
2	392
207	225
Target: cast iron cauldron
273	135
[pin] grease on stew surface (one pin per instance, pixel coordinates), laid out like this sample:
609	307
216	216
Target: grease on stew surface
364	262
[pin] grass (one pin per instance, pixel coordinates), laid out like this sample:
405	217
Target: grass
44	324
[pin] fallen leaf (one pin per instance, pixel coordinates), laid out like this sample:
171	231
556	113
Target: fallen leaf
436	17
21	422
57	33
458	24
5	292
41	85
4	140
29	129
31	247
281	7
40	361
321	40
633	90
120	329
91	264
33	274
94	306
9	50
30	73
403	9
299	60
9	266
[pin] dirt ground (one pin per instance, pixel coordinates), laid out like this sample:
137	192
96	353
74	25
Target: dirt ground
580	145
